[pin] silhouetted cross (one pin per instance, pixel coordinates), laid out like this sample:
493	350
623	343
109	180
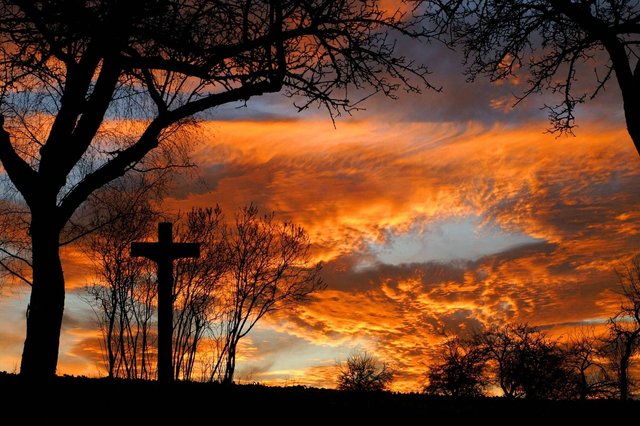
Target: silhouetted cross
163	253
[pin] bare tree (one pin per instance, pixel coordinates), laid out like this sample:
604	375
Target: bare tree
362	372
585	359
243	274
460	370
526	363
197	288
624	327
270	269
556	41
123	298
70	69
499	344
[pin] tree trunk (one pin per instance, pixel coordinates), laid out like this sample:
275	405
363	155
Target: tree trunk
231	365
623	381
109	339
633	126
46	305
629	83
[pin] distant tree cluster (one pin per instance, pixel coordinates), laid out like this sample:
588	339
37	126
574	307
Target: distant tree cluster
363	372
518	359
523	362
245	271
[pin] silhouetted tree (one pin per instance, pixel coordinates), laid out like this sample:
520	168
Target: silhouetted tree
555	41
362	372
624	328
244	273
526	363
71	69
585	359
499	344
460	370
269	269
123	298
198	290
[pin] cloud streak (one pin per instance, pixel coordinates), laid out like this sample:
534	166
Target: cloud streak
434	215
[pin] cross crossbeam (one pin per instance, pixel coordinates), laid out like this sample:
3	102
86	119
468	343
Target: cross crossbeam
163	253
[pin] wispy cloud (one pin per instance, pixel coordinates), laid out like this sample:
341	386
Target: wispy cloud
433	215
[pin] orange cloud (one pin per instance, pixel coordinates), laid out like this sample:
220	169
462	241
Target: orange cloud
349	187
370	187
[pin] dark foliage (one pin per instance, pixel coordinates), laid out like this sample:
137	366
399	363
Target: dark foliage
459	372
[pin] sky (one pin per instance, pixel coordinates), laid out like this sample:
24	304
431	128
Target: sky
433	214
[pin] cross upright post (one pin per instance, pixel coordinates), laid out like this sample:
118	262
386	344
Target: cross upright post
163	253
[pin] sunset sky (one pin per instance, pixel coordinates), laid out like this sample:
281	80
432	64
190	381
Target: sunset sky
433	213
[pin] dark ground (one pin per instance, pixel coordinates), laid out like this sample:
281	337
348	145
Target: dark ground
102	401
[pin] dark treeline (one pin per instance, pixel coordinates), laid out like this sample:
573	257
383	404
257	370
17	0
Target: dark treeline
523	362
255	403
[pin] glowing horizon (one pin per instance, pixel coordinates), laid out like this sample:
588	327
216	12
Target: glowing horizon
539	225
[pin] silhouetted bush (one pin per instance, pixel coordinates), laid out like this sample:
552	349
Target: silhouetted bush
460	372
362	372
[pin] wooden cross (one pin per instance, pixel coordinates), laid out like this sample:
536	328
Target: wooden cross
163	253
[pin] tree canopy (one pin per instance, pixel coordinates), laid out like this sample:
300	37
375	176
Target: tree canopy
572	48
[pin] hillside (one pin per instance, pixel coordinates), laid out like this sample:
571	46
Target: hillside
103	401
